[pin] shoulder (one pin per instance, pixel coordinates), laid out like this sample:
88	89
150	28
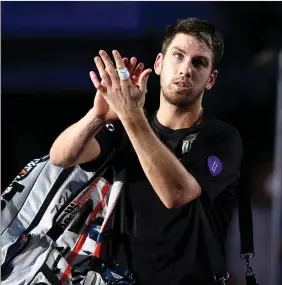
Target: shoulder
221	138
216	131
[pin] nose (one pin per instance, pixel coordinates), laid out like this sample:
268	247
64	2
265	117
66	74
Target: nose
186	68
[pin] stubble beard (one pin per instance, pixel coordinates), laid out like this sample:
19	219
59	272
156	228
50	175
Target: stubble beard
183	100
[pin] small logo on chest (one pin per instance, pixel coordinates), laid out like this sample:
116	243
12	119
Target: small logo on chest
187	143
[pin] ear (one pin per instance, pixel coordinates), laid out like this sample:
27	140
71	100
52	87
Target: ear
212	79
158	64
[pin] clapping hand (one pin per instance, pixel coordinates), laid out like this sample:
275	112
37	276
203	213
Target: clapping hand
117	97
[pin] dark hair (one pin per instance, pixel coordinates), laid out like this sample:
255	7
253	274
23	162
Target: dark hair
204	31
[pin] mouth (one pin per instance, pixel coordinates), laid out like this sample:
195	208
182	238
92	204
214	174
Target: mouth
182	85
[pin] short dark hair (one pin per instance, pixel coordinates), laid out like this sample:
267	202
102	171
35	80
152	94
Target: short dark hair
204	31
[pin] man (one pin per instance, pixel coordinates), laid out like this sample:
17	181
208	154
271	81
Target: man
175	159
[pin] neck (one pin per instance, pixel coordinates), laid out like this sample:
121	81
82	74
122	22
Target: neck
174	117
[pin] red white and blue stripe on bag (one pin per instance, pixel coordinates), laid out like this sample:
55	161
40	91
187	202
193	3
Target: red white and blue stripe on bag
77	248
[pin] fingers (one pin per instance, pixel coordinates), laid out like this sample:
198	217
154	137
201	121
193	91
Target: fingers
95	80
136	74
103	73
107	61
110	67
118	59
108	72
142	83
131	65
125	61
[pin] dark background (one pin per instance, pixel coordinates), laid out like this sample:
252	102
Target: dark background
48	50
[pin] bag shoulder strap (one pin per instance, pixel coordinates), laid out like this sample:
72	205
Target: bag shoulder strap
246	233
215	252
214	249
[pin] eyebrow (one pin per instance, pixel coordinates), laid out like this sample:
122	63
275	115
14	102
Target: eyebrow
179	49
197	56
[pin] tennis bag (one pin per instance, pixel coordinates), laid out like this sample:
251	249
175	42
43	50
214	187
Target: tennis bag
56	224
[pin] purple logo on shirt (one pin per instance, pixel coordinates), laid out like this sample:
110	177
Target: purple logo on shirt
215	165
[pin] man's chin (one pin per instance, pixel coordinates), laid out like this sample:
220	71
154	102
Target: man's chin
179	100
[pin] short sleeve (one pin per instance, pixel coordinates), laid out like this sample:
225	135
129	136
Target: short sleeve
215	160
109	138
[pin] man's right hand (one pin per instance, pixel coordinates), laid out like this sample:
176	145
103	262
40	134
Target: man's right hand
101	109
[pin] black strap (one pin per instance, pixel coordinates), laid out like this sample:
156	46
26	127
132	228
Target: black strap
246	232
215	251
245	223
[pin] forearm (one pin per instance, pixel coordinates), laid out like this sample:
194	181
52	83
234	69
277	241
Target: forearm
174	185
77	143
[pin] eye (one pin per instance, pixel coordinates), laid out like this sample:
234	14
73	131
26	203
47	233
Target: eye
178	55
198	62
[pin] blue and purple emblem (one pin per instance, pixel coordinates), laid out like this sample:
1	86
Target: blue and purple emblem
215	165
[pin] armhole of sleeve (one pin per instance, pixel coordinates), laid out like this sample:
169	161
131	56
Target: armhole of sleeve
116	144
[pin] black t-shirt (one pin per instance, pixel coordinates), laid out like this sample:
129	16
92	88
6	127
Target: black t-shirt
166	246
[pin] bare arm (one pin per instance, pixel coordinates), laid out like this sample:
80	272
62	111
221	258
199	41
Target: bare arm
77	144
174	185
